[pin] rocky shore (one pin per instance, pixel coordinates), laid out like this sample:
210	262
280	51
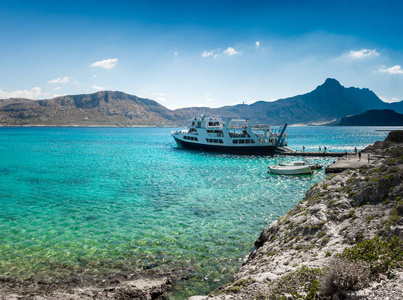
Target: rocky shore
145	285
344	240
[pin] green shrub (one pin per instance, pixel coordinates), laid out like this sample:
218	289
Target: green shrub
378	254
301	280
351	215
324	241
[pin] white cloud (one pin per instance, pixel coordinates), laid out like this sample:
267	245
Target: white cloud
57	88
98	88
257	44
64	79
176	53
106	63
390	100
392	70
230	51
29	94
217	52
210	53
363	53
160	97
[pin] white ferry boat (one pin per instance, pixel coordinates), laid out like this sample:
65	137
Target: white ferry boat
234	136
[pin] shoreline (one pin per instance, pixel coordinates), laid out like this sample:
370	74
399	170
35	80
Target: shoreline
296	253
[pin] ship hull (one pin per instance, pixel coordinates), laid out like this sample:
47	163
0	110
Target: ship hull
257	150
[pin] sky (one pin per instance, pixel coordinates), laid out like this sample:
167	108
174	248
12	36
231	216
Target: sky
199	53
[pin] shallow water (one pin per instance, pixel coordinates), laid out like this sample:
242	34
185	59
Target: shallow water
99	200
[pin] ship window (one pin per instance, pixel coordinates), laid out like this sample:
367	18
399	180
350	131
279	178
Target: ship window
235	141
242	141
185	137
220	141
247	141
252	141
215	141
196	139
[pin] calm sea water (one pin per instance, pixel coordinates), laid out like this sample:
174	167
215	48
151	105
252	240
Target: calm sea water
99	200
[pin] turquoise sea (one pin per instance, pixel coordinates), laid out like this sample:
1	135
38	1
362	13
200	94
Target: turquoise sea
95	201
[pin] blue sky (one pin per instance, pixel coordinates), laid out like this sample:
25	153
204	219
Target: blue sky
199	53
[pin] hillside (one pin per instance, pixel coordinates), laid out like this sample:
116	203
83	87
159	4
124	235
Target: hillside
98	109
328	102
384	117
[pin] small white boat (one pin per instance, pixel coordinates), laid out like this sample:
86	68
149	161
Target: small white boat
294	168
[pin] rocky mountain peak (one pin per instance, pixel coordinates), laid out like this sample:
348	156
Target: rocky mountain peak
330	84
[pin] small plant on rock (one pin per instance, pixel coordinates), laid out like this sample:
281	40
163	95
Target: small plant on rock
343	274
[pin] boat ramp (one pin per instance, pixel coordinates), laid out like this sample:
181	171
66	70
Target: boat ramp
351	162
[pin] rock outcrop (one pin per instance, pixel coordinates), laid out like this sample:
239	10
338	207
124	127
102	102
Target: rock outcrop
137	285
338	213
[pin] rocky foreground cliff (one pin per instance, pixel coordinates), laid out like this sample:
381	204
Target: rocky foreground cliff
344	240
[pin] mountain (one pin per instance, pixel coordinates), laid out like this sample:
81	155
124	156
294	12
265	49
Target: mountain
98	109
328	102
384	117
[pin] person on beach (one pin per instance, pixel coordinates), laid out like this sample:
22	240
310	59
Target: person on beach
324	147
320	149
355	150
303	148
359	156
369	158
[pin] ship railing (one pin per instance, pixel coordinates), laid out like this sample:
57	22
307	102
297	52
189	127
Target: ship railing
261	127
237	123
183	131
238	127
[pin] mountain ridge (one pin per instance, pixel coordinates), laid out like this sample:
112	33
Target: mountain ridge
328	102
375	117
